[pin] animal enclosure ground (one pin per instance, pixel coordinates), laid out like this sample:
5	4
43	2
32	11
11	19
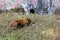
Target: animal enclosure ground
42	27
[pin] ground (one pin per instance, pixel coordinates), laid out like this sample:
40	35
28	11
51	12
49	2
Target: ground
42	27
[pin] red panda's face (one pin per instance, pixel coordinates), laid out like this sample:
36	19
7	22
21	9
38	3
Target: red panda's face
29	20
26	20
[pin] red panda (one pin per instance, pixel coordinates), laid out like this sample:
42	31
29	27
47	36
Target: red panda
20	22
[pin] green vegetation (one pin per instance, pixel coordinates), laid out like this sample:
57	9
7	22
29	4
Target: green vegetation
42	27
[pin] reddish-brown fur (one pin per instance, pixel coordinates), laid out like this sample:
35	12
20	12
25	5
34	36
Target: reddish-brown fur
21	22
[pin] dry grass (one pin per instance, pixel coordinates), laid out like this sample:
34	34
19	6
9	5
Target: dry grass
43	27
